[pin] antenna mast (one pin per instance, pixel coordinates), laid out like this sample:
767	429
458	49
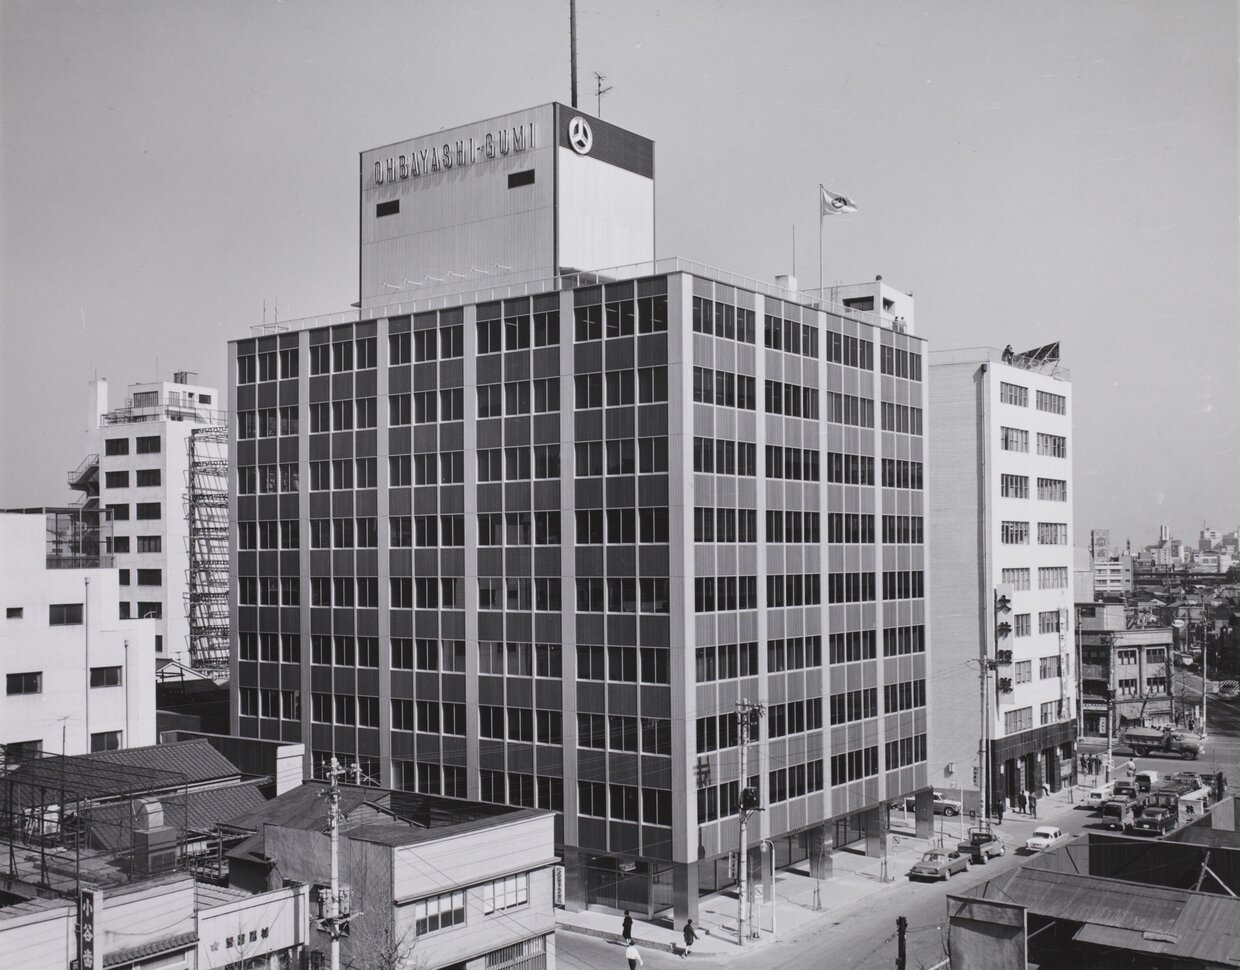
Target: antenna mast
572	39
599	91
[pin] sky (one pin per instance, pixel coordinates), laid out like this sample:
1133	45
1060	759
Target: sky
1035	171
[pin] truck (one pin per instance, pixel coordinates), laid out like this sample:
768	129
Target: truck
1143	741
981	845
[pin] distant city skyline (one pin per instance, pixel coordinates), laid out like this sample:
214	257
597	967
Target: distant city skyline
1049	172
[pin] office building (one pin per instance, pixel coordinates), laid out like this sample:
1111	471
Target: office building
534	540
1001	482
138	468
76	678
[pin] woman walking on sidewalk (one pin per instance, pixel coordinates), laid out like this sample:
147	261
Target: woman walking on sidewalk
690	939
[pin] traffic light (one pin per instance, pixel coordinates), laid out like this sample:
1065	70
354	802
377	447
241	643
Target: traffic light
749	800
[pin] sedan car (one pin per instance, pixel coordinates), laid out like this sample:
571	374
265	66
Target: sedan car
949	807
1155	819
939	864
1045	837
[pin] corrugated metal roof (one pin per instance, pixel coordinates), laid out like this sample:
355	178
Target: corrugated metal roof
1129	915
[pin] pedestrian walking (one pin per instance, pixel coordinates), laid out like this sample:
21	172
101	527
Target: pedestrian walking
1033	805
690	939
1021	803
626	927
1131	767
999	809
634	957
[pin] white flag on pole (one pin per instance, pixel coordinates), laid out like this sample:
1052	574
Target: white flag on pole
832	204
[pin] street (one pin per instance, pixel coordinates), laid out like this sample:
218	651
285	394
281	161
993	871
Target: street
862	937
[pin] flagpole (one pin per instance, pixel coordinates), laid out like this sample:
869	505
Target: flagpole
821	292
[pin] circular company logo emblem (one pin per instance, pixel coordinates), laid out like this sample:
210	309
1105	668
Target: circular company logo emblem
580	136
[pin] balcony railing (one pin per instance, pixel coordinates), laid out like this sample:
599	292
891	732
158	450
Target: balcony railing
1094	672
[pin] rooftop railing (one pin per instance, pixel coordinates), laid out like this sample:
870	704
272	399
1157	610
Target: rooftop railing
981	355
468	292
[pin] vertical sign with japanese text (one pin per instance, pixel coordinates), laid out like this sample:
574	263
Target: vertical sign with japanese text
89	903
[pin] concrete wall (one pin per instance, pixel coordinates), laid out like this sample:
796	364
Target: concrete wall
279	920
40	933
461	218
66	712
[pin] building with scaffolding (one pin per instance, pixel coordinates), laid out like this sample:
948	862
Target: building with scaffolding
206	517
76	678
138	466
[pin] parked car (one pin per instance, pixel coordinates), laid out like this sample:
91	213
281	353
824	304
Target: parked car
1155	818
1126	789
942	806
1045	837
1119	813
1147	781
1097	797
982	844
939	864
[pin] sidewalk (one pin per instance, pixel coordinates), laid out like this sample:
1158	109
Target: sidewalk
855	879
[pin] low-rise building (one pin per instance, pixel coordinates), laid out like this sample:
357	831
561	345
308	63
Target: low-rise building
1125	666
76	678
442	882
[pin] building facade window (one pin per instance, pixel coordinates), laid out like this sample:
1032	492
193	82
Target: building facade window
1052	533
24	683
1052	445
1052	490
1052	403
1014	439
1052	577
1018	579
1014	486
1014	533
1016	721
1014	394
64	614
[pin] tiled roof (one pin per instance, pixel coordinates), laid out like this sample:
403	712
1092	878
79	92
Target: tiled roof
169	944
194	759
198	812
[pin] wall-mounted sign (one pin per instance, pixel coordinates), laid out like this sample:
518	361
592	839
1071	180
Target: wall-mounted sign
579	135
458	154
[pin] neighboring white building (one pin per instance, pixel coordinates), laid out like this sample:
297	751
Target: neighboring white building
61	633
1113	576
1001	491
136	467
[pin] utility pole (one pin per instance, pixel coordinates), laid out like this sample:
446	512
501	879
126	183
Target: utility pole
334	908
747	716
901	933
1205	667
